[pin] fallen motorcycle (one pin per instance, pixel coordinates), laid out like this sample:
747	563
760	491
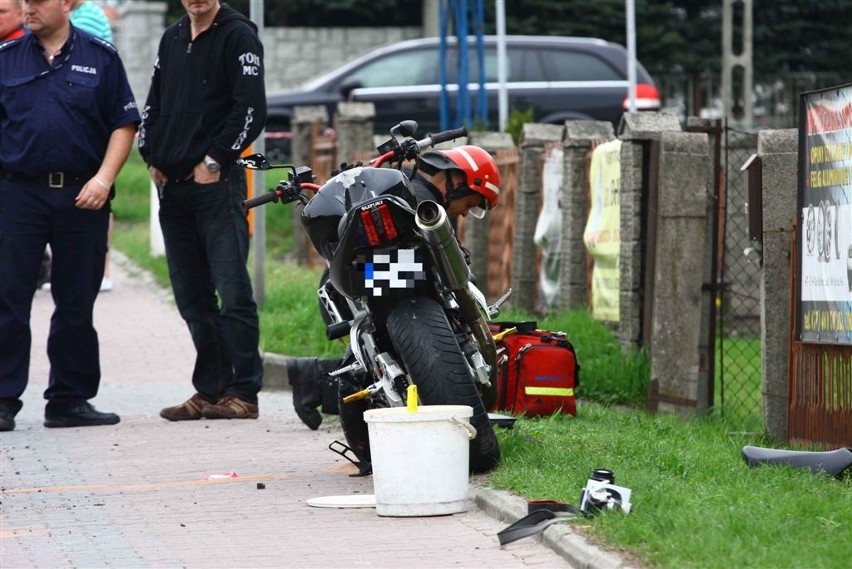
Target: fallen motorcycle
400	287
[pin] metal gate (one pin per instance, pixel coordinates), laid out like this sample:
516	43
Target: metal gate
733	357
820	380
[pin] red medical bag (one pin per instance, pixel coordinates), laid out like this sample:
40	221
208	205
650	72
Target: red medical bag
538	371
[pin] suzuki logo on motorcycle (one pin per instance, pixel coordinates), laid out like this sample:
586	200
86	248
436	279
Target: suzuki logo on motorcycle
391	269
372	206
250	63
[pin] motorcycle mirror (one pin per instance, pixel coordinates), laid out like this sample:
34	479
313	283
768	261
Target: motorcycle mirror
405	128
254	162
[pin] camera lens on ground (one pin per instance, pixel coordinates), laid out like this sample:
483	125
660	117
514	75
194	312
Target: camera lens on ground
603	475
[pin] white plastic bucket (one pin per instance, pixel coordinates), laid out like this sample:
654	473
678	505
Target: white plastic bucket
420	459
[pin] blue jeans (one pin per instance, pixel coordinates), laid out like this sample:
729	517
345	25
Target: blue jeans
206	236
31	216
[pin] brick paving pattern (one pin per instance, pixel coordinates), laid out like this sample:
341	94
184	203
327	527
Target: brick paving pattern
137	494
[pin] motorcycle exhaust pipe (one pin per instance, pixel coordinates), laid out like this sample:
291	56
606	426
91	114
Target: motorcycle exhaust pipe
441	239
439	236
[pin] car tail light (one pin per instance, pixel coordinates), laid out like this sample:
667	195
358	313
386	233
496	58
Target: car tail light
647	98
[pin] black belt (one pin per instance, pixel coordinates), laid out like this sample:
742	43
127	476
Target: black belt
52	179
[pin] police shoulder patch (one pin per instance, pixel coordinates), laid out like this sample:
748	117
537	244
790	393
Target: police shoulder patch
104	44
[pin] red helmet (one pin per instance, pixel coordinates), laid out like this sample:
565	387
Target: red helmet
479	167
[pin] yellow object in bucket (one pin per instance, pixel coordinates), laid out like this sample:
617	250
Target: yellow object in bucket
412	398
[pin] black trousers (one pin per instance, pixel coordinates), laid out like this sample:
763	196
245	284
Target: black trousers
33	215
207	245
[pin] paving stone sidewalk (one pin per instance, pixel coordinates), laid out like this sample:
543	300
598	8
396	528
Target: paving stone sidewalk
138	494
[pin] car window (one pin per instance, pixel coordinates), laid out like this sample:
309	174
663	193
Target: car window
567	65
419	67
452	68
528	64
539	63
523	65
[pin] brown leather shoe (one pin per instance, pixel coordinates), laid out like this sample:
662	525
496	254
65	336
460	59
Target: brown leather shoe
190	410
231	407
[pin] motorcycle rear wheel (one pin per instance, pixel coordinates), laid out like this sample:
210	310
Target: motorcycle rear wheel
424	341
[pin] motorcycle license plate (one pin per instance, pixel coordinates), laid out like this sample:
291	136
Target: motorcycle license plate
389	269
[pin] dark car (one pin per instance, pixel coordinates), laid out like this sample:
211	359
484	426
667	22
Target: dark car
559	78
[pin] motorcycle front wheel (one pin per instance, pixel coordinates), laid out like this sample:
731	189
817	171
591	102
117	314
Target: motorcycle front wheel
426	344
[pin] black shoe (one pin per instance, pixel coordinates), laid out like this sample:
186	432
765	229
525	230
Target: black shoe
83	415
8	409
7	421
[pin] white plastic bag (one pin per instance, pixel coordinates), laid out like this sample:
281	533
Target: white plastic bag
548	228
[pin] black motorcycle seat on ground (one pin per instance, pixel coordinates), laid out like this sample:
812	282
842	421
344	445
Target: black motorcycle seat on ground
833	463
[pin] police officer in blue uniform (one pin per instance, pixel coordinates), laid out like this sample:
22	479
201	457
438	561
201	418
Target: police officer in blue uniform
67	123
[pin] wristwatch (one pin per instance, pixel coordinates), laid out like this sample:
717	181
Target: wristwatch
212	165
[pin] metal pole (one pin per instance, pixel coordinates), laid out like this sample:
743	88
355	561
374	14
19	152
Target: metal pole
502	93
463	99
443	25
630	9
259	236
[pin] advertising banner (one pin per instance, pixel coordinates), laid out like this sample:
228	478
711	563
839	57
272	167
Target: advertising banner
824	295
602	235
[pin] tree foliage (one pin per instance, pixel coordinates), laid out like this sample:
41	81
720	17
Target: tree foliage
672	36
319	13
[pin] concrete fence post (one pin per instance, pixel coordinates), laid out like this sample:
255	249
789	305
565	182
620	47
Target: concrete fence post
636	131
580	136
534	137
354	124
680	223
302	124
779	151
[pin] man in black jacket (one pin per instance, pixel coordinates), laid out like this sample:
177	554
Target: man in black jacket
206	104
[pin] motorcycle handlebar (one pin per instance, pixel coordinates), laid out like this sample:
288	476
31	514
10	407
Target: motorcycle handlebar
443	136
270	196
409	148
285	192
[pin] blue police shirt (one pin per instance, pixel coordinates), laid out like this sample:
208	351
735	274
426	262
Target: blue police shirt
59	117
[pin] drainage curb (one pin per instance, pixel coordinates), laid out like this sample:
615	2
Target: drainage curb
275	372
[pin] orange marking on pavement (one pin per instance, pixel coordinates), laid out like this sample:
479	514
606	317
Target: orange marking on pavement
345	468
148	485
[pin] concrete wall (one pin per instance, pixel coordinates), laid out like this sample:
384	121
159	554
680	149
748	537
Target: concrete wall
137	33
295	55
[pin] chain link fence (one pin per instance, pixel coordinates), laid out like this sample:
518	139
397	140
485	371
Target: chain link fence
738	369
775	101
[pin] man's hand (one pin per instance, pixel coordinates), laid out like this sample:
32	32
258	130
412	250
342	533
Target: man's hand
93	195
158	177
